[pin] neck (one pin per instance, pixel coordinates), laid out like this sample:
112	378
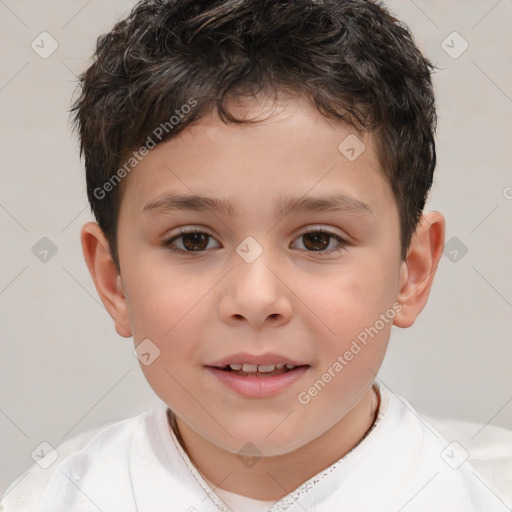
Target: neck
274	477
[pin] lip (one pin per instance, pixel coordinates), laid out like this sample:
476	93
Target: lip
258	387
259	359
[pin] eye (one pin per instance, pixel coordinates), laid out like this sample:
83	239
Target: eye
194	241
190	241
319	240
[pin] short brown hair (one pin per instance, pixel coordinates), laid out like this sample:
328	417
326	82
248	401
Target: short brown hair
351	58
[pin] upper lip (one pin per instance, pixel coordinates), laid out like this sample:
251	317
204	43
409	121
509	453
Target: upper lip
258	359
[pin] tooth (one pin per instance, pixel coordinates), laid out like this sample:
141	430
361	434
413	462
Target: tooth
236	366
249	367
290	366
267	368
279	366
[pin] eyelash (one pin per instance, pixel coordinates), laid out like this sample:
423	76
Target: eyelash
341	247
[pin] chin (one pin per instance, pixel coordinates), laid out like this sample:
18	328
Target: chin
257	442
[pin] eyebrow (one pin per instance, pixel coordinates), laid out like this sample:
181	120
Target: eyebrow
194	202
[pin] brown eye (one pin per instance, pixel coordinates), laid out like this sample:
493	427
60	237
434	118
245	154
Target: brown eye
316	240
322	242
190	242
195	241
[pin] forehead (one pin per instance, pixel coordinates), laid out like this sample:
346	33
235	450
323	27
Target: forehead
290	152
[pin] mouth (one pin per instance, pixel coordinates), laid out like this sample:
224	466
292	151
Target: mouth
258	381
261	375
259	370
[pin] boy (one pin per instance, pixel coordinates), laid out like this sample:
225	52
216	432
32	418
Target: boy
258	171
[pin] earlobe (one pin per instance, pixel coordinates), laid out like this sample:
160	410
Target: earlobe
108	282
419	268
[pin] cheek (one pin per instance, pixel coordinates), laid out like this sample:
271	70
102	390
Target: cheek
351	298
161	298
170	321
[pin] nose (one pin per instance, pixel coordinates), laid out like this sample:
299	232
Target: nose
256	294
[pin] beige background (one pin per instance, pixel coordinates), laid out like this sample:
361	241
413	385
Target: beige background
63	368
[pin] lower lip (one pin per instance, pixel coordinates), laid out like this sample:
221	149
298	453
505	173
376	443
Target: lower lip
258	387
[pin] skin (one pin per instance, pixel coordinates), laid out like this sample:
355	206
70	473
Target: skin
304	304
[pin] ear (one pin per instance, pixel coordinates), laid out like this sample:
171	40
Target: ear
108	282
419	267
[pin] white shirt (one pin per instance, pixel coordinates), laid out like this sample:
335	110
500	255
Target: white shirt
403	464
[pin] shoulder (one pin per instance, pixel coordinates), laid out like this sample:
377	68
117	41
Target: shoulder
108	445
486	448
469	462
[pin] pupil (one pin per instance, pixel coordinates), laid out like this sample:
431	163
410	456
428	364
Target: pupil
316	238
195	241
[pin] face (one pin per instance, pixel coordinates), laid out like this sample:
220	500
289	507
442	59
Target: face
291	257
